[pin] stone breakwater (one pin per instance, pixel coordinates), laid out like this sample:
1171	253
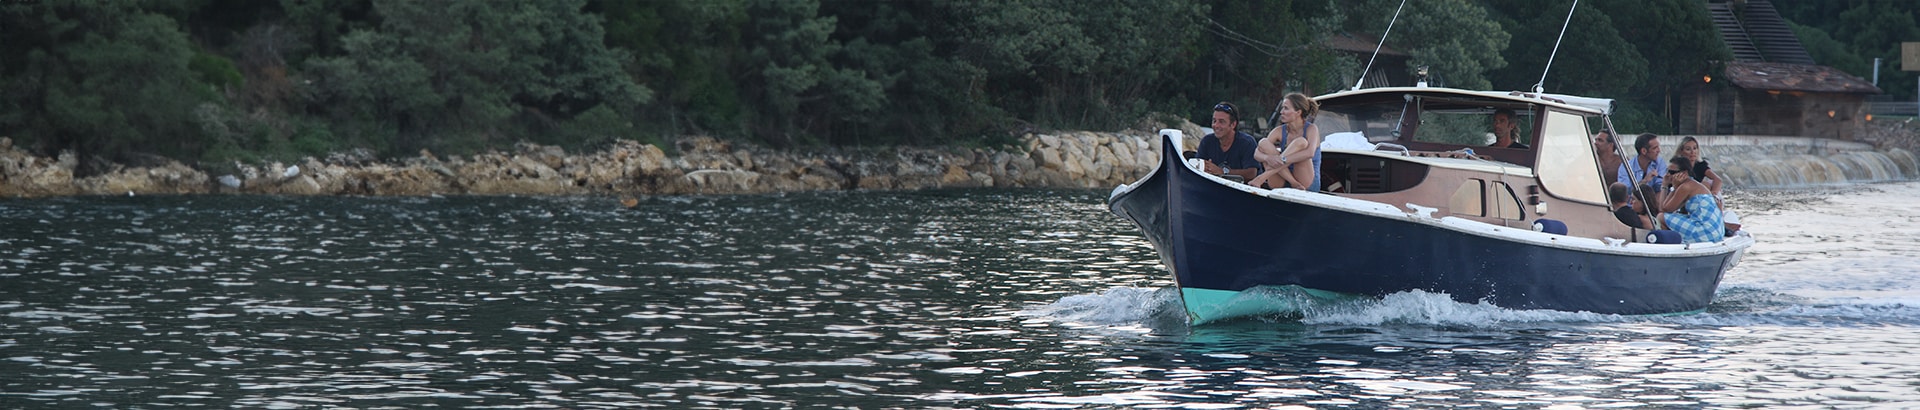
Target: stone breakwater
702	165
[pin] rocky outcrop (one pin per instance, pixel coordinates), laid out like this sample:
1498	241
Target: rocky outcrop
704	165
25	175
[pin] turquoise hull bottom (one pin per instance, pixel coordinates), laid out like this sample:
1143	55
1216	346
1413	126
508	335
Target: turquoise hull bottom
1211	305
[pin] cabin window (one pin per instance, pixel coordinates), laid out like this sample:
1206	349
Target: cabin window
1566	150
1506	205
1474	196
1468	200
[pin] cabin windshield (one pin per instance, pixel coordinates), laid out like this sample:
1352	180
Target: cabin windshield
1375	121
1469	126
1468	122
1427	122
1575	174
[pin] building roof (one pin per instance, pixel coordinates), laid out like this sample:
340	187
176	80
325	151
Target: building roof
1796	77
1360	43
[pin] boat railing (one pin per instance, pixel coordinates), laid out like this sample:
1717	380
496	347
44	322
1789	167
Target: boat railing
1456	154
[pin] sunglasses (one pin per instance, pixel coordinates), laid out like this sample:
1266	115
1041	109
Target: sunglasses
1672	171
1223	107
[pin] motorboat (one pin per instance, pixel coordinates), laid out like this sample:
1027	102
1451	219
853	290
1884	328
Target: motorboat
1413	200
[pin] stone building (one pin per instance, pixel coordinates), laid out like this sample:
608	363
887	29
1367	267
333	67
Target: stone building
1772	86
1765	98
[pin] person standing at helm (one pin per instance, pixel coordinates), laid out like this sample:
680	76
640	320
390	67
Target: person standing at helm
1504	130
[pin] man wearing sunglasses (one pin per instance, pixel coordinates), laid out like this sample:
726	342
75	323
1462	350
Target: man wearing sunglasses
1228	156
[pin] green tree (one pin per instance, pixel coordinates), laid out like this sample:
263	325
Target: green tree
104	79
320	25
1816	13
1678	45
1458	39
1138	60
1837	33
1830	52
686	51
1675	38
1875	29
1077	64
466	75
789	75
1255	52
1592	58
929	96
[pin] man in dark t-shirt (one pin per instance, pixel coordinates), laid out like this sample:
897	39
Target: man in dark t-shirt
1622	206
1233	156
1504	130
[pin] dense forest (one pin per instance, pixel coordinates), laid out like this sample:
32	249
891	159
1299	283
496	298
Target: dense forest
215	81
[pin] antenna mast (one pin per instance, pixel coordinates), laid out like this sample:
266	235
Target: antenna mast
1541	87
1383	41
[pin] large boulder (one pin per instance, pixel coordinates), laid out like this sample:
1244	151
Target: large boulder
23	174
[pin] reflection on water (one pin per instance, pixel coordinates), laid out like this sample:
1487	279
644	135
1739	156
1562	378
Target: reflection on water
931	299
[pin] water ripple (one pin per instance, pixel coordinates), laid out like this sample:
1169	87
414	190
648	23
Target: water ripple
977	298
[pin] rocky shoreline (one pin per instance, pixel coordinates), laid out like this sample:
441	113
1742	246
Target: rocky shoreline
700	166
703	165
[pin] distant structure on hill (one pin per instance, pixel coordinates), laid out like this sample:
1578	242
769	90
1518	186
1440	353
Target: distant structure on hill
1773	87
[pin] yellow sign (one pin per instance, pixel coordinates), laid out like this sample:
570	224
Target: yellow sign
1910	56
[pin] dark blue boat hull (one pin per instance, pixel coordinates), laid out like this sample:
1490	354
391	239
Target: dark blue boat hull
1216	237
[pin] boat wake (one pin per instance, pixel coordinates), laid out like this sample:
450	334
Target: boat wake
1117	306
1160	308
1130	306
1738	305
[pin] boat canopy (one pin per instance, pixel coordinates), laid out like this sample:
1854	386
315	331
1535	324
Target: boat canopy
1589	105
1552	132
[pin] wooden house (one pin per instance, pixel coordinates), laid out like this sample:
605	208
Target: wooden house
1779	99
1773	87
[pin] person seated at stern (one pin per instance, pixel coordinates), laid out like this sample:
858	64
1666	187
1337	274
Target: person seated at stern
1690	207
1291	152
1623	209
1504	130
1232	155
1649	194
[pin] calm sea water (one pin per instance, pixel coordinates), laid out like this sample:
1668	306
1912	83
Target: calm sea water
979	298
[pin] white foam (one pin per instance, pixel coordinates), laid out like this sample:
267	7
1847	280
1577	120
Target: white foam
1418	307
1120	305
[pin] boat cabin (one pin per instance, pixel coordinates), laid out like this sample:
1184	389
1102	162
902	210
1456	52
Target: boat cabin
1428	147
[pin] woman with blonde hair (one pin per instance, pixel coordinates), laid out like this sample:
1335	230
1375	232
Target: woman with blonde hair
1690	148
1291	152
